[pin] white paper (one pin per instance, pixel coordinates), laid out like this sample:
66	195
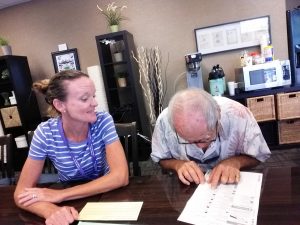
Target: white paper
97	223
227	204
110	211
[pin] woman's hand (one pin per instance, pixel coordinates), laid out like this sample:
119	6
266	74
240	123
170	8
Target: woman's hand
62	216
33	195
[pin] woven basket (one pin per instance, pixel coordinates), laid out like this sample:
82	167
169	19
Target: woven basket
288	105
11	117
262	108
289	131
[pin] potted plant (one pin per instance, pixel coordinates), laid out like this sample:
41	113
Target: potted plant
121	79
6	48
113	15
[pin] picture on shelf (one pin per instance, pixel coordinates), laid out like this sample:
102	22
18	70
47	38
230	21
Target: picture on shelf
65	60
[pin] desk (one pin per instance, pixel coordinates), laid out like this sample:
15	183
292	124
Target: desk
165	197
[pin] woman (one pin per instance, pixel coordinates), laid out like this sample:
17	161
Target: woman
81	143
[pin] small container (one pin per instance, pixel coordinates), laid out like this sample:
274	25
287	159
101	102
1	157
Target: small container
268	53
21	141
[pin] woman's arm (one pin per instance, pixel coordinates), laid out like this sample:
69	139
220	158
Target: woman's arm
43	204
29	176
117	177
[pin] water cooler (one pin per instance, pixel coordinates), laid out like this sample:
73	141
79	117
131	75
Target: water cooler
194	73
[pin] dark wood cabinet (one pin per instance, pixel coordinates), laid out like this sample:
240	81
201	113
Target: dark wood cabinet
270	129
22	114
125	102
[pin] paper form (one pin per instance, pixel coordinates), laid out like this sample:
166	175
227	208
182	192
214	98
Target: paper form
235	204
97	223
110	211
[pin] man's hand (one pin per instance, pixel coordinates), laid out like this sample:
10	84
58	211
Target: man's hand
226	172
189	171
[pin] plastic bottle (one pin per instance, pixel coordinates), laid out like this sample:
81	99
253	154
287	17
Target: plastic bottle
216	84
264	41
221	76
268	53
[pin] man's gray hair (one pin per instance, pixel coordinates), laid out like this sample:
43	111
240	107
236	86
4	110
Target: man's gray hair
195	100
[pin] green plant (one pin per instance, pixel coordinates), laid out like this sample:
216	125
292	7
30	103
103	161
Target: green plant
113	13
3	41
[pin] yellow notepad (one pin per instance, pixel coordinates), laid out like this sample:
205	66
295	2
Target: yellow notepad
111	211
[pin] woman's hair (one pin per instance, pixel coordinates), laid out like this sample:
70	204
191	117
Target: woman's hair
195	100
54	88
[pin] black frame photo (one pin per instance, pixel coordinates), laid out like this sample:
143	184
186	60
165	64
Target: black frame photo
65	60
234	35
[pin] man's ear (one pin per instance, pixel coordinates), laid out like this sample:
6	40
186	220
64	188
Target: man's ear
59	105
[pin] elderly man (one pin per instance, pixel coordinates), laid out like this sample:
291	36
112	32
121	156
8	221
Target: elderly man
198	132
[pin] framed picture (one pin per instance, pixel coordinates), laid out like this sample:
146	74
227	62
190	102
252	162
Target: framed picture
234	35
65	60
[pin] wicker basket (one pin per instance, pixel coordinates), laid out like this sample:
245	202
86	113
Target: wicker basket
262	108
288	105
289	131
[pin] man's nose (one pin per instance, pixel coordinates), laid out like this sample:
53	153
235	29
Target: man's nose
202	145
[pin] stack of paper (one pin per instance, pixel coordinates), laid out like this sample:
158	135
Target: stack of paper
227	204
110	211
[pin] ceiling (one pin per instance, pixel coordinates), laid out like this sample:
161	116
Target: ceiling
8	3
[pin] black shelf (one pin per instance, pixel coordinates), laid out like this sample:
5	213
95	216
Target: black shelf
26	107
126	104
262	92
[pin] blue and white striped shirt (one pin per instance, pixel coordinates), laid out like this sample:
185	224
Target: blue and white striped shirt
47	142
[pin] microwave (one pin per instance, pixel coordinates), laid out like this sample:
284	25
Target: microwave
267	75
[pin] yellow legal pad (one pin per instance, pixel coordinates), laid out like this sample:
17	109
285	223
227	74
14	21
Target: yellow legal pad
111	211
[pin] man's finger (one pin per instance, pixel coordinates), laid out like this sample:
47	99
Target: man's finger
182	179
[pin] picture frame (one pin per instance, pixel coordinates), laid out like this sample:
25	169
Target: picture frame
234	35
65	60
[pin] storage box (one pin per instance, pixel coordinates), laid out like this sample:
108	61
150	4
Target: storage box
21	141
288	105
289	131
262	108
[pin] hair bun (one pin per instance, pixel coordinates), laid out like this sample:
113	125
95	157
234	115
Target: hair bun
41	85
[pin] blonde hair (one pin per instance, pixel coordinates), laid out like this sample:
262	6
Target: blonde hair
54	88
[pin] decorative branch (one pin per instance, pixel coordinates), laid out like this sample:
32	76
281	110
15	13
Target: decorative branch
150	79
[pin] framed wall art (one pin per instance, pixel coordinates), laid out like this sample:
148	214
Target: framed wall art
234	35
65	60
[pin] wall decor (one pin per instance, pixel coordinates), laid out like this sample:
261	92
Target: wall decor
11	117
233	35
65	60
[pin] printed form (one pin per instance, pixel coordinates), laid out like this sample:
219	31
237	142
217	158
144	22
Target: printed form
234	204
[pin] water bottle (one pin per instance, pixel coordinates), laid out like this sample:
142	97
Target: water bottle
216	83
222	76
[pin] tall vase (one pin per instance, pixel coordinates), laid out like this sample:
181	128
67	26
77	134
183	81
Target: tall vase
114	28
6	49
